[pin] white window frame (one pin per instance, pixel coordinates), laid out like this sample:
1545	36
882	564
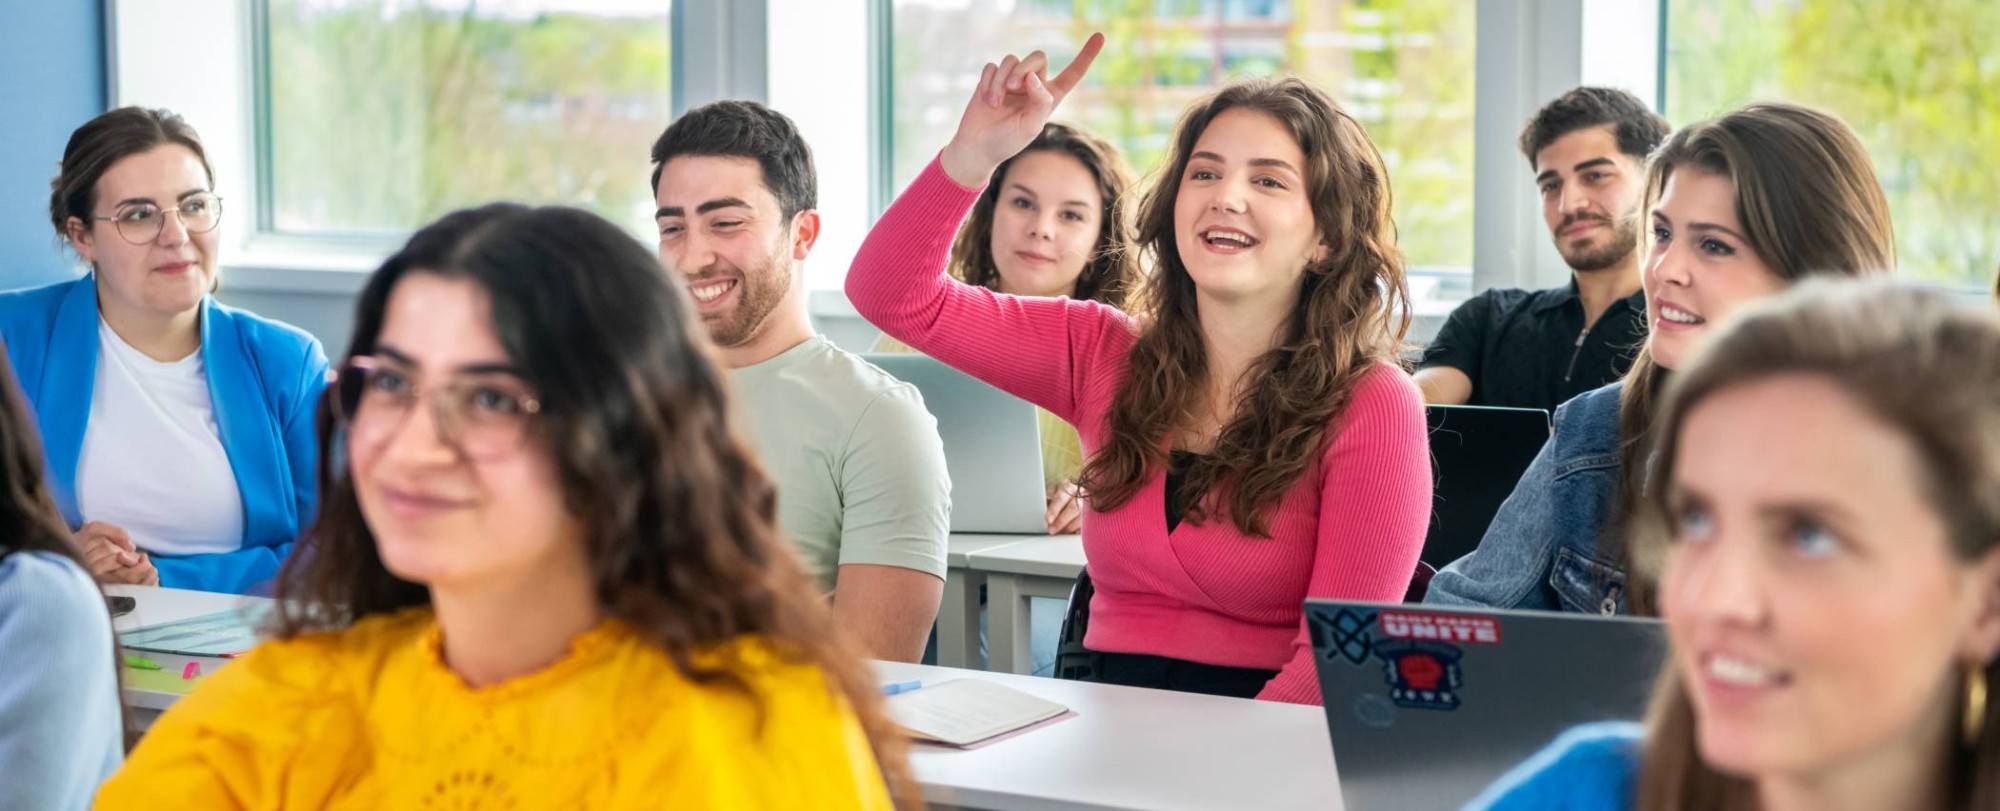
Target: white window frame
1529	51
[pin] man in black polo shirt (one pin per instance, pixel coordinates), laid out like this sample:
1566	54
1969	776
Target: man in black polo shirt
1538	348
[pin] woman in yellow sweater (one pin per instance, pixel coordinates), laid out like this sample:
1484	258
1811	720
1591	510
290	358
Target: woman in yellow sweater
1052	223
545	573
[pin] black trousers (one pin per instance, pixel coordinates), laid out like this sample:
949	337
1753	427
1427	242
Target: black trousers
1160	672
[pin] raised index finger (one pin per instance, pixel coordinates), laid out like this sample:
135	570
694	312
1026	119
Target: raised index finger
1071	75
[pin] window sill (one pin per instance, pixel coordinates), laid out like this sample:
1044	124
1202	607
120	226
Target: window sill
299	273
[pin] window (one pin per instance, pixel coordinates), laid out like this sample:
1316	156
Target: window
1916	80
377	116
1403	67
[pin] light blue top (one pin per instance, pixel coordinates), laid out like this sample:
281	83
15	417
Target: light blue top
60	728
265	379
1547	547
1593	767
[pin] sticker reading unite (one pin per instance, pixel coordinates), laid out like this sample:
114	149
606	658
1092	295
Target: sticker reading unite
1440	627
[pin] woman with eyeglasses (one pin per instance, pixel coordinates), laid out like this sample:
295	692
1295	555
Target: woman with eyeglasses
547	573
179	432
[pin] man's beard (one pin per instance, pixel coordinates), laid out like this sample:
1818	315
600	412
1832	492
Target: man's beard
758	292
1624	240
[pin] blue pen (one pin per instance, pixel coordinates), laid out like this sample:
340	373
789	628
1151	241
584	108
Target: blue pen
900	687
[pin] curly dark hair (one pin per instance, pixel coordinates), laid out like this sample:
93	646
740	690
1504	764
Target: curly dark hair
680	519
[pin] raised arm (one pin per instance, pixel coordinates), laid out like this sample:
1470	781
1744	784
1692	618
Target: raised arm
1036	349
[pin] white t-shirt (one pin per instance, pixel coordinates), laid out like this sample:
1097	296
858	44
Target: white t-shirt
152	459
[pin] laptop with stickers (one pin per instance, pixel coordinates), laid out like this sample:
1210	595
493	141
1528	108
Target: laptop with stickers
1427	706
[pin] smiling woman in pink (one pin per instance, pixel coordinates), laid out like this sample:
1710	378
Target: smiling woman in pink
1251	441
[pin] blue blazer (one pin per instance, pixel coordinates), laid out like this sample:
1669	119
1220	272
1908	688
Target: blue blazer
265	379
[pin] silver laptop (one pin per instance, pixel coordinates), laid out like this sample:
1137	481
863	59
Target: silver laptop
992	446
1427	705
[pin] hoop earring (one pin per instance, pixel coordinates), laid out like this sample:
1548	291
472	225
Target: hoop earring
1975	705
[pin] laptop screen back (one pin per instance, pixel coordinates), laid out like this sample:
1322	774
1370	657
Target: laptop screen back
1426	706
992	446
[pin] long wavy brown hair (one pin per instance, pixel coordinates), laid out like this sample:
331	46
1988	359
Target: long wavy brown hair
680	521
1113	268
1810	205
1352	313
1922	364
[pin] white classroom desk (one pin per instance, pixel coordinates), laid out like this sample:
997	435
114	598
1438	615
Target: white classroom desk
157	605
1037	567
971	560
1126	749
1133	749
957	622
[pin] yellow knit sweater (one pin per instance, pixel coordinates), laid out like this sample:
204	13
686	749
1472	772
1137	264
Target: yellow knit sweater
370	718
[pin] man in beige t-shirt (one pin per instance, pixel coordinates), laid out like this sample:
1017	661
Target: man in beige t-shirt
857	459
859	468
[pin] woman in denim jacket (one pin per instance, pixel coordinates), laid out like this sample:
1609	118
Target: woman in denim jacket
1739	207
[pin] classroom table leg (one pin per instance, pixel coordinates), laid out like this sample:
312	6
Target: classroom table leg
958	620
1007	625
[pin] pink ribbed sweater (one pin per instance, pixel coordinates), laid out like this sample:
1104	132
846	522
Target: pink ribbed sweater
1350	528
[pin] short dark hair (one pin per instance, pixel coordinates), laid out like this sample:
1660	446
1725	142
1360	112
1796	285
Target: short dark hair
745	129
1639	130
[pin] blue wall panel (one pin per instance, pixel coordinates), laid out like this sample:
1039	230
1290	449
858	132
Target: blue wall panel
51	81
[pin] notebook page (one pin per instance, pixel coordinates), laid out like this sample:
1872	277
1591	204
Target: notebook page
965	711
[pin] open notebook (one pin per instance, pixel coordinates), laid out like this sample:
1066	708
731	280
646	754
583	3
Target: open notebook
963	712
224	633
